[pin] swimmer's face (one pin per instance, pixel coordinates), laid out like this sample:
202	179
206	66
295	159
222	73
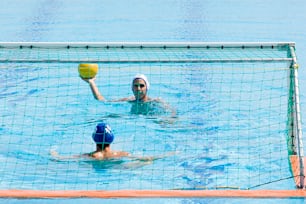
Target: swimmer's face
140	89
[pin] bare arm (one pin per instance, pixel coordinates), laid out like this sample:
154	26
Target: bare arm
140	161
124	99
96	93
167	107
58	157
94	89
95	155
152	158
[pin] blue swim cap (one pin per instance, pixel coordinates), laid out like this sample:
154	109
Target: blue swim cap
103	134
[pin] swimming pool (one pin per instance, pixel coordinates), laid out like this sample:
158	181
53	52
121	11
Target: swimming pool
214	31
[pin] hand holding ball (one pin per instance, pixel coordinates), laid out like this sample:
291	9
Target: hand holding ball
88	71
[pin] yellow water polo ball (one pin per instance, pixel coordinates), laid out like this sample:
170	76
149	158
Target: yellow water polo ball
88	71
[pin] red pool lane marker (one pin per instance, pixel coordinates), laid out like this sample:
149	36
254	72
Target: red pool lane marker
33	194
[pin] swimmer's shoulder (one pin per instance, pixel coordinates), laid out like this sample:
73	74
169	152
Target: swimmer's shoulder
116	154
100	155
96	155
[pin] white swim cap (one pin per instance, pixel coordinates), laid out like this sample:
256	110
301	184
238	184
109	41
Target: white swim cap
143	77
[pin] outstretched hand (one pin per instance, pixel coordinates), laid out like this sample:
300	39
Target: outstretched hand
88	80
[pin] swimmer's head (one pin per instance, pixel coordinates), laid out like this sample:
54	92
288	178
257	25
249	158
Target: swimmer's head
140	87
144	78
103	134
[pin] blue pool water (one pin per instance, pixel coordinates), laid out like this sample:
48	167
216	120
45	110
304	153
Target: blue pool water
52	108
151	21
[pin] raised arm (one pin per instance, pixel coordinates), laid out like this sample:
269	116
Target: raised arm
94	89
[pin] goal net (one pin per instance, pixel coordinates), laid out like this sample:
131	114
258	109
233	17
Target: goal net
222	116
